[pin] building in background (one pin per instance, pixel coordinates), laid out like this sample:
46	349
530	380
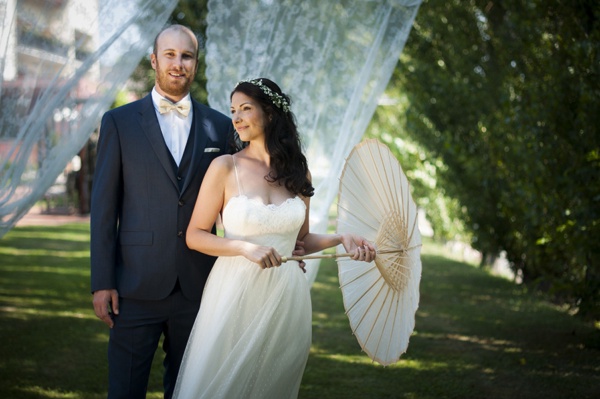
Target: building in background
42	41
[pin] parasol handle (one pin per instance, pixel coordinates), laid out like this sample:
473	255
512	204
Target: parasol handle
329	256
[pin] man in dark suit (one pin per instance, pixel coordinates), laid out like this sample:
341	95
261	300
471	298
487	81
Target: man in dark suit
152	156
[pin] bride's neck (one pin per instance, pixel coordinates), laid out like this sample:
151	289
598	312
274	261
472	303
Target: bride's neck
258	153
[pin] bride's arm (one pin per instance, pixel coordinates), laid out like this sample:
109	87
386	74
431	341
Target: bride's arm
360	247
211	199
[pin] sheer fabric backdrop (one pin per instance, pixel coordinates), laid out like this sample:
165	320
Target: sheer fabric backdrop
61	65
334	58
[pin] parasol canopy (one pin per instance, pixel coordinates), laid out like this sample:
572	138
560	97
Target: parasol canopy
381	297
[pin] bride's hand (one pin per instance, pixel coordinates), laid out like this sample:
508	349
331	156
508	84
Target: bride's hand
265	257
363	250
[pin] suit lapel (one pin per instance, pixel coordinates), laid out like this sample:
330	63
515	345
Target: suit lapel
200	138
149	123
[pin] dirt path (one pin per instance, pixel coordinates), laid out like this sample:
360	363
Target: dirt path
35	217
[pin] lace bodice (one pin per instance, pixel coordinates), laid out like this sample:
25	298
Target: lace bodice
265	224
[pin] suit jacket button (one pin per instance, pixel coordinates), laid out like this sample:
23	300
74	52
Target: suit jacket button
180	203
178	177
180	233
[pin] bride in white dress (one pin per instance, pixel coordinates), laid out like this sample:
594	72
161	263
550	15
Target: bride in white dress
252	335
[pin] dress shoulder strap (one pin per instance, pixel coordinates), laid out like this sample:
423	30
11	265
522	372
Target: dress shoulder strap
237	179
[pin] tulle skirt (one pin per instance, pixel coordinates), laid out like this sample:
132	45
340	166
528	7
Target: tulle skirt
252	335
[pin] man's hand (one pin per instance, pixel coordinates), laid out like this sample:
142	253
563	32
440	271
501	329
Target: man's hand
106	302
299	251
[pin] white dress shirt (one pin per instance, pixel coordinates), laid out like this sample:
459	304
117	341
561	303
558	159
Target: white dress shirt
175	127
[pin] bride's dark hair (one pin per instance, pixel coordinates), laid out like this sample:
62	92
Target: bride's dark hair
288	164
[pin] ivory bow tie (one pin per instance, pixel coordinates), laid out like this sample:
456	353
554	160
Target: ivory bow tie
182	107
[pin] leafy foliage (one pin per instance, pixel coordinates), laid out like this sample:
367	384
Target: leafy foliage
505	95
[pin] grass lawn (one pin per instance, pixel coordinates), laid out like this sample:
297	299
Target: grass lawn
476	335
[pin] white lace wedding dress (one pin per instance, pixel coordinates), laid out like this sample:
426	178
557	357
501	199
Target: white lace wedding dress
253	332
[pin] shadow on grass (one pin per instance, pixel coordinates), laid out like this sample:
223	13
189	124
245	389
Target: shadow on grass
52	353
52	343
476	336
53	346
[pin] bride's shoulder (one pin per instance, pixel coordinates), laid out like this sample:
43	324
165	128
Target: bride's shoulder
222	161
221	165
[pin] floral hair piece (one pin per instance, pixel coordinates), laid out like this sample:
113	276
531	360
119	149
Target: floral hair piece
276	98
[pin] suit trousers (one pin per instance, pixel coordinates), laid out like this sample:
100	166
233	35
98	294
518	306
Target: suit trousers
135	338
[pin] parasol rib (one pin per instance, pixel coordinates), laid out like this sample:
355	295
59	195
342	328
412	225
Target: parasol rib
379	312
387	316
367	289
359	322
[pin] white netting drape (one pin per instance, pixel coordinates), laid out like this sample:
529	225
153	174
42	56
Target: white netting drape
61	64
334	58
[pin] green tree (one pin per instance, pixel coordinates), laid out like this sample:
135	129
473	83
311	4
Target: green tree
505	95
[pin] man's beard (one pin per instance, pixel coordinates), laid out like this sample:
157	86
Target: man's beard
179	87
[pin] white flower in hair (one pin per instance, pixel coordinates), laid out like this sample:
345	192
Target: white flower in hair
276	98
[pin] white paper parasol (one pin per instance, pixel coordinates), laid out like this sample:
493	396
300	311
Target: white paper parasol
380	297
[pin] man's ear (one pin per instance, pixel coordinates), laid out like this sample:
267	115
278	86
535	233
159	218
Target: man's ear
153	61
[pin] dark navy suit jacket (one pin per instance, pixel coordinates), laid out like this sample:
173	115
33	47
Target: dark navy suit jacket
141	205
